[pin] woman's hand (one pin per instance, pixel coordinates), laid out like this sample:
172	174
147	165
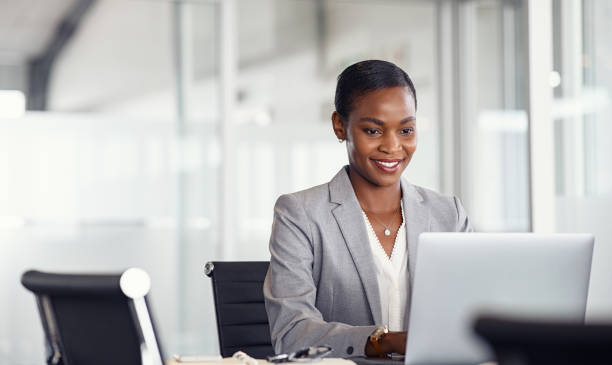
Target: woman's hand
392	342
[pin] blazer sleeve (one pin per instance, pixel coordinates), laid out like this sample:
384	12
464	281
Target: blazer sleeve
463	222
290	291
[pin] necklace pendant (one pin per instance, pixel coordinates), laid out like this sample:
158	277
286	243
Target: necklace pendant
387	232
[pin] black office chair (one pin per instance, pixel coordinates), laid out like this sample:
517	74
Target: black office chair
96	319
520	342
242	322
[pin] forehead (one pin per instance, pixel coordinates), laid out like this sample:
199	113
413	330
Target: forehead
385	103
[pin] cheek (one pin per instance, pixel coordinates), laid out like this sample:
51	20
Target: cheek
412	144
363	147
352	150
410	147
355	152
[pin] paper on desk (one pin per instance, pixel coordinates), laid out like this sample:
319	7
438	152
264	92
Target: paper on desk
231	361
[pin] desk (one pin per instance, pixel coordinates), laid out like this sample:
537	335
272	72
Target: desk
328	361
231	361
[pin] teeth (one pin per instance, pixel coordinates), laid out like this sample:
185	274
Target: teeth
388	164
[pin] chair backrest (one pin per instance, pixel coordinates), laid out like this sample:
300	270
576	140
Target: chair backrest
546	343
242	322
96	319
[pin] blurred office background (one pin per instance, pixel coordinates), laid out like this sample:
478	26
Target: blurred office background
158	133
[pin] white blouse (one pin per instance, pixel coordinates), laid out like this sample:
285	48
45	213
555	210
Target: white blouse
392	275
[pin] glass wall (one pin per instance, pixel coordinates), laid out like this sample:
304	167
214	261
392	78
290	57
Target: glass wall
121	171
582	110
287	74
472	52
492	101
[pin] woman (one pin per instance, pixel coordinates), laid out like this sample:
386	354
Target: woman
342	253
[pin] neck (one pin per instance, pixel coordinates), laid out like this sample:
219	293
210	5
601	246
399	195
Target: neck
373	198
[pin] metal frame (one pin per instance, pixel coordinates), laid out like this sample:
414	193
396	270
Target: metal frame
541	151
228	63
571	68
447	48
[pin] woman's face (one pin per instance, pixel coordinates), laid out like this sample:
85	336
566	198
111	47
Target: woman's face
380	134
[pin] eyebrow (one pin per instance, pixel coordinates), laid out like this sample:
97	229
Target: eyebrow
381	123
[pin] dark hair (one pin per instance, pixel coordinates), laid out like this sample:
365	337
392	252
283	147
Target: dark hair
365	76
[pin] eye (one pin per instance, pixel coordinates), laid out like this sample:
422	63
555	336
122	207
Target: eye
371	131
408	131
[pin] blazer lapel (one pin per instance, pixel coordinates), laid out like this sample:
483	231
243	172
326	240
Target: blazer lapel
416	216
349	218
416	219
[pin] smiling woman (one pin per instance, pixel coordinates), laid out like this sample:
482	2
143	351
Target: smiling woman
381	134
340	267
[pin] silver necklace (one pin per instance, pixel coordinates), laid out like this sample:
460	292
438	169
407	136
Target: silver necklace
387	230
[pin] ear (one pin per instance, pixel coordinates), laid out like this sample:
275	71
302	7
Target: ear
338	126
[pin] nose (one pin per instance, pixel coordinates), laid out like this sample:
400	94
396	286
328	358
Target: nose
390	143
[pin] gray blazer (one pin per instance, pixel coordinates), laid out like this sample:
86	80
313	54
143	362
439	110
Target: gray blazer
321	287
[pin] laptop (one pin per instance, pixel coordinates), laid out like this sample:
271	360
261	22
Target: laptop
459	276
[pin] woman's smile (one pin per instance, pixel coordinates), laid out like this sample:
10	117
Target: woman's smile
381	135
388	166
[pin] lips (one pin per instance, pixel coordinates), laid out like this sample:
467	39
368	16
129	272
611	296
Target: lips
388	165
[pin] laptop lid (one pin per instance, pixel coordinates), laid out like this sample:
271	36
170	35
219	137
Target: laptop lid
461	275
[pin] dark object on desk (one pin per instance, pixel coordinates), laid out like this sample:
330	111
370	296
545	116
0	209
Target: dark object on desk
362	360
309	354
95	319
242	321
542	343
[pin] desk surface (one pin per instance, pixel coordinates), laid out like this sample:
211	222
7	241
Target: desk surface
231	361
328	361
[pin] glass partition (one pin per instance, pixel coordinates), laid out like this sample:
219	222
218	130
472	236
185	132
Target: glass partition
121	171
582	110
491	76
287	76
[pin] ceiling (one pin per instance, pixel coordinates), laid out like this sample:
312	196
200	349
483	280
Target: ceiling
27	25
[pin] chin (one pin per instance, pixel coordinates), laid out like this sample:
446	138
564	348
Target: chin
387	182
382	179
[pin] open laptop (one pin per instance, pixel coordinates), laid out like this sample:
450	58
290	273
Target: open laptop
461	275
